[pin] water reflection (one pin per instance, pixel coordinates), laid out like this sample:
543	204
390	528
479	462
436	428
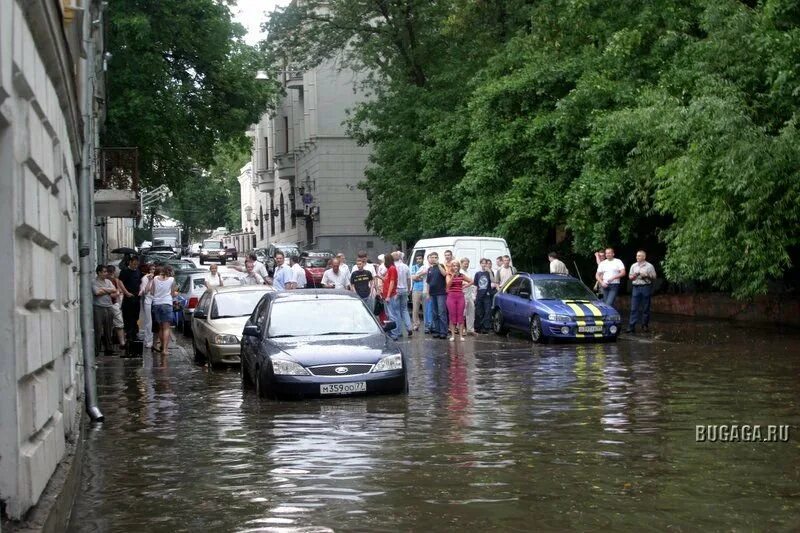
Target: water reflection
494	434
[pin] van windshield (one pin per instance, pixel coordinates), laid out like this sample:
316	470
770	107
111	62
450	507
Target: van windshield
212	245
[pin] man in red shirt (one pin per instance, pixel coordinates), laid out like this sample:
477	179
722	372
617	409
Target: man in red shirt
390	296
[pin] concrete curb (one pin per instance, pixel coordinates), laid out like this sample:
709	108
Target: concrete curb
51	514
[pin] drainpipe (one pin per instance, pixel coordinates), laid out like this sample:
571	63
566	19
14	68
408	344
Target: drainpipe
86	238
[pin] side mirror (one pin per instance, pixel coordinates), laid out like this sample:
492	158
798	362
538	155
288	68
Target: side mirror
250	330
389	326
199	313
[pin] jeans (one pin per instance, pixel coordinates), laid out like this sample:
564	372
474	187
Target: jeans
402	310
439	314
610	294
146	317
483	313
393	314
103	325
428	314
640	303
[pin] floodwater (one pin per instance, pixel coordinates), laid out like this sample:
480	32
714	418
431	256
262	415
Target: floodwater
495	434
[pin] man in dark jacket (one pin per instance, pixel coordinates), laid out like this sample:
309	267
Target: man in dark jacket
483	300
131	279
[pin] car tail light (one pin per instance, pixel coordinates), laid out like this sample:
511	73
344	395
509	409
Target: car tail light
192	302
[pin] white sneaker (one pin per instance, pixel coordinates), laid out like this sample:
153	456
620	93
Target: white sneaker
461	337
452	338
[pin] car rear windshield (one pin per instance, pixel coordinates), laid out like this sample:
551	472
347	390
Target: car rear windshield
212	245
557	289
233	304
316	262
196	284
320	317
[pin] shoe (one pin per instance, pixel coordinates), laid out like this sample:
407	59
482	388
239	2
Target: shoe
410	333
148	346
452	338
416	328
461	337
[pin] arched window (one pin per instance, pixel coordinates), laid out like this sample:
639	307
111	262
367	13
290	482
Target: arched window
271	215
283	215
261	220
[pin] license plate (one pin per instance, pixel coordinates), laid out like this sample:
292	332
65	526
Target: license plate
343	388
590	329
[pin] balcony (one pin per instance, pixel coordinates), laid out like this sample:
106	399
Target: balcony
266	180
294	79
284	164
116	189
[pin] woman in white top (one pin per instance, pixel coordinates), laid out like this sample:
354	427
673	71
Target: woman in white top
214	279
146	312
163	288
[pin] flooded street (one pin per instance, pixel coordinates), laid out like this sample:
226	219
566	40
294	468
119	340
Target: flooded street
495	434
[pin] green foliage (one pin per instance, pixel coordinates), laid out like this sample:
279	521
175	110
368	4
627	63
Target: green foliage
625	122
180	81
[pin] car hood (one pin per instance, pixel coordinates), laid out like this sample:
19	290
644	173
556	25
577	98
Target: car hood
334	349
229	326
578	308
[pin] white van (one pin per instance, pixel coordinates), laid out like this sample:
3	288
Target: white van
473	248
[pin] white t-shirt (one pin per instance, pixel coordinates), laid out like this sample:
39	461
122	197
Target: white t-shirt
299	275
339	281
609	268
213	281
403	273
260	269
162	291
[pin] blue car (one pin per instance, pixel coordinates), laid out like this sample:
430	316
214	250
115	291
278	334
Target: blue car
552	306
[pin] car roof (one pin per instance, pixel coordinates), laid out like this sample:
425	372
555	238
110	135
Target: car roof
535	277
243	288
449	241
318	253
313	294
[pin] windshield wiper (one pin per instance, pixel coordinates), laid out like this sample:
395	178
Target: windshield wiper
228	316
281	336
339	333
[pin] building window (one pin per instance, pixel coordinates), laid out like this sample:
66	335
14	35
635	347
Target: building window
266	152
254	241
292	216
286	133
283	215
261	220
271	216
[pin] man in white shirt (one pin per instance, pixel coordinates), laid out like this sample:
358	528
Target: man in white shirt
283	277
258	267
505	271
335	277
557	266
609	272
403	289
343	264
299	273
250	277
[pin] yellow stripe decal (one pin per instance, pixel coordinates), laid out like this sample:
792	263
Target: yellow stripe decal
594	309
509	282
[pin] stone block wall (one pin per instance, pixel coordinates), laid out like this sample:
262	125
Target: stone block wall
40	380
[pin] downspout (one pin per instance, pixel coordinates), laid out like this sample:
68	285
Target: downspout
86	237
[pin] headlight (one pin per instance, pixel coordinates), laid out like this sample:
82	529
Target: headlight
614	318
559	318
226	339
390	362
281	367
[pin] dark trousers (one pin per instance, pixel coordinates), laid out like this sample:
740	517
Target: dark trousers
610	294
130	315
640	304
483	313
103	326
439	314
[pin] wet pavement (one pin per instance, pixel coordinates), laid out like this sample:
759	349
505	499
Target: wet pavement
495	434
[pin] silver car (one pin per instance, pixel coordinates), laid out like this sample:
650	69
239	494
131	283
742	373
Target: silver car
219	319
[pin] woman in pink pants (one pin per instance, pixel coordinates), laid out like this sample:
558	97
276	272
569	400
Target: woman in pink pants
456	282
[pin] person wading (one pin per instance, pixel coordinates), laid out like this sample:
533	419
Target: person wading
163	288
455	283
642	276
146	311
131	279
390	296
103	290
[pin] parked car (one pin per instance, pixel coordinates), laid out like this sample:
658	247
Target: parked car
261	254
194	249
212	250
231	253
316	261
144	246
218	320
181	264
191	286
288	248
552	306
338	348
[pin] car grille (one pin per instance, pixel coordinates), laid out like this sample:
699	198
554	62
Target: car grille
330	370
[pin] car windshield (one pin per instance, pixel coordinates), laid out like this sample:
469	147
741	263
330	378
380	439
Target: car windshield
557	289
320	317
195	283
316	262
288	251
183	265
233	304
212	245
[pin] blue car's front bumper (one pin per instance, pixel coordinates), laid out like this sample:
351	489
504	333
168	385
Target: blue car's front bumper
583	329
389	382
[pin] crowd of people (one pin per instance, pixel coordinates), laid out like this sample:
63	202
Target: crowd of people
445	299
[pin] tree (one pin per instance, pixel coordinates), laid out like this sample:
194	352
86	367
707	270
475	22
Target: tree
180	80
